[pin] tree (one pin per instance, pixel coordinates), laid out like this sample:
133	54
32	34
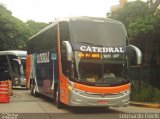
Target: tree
142	27
130	12
13	32
35	26
143	30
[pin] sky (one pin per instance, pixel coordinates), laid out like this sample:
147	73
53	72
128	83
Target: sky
48	10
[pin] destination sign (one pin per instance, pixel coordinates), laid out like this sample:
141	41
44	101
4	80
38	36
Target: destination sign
85	55
89	55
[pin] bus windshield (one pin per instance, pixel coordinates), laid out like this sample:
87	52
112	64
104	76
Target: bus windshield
23	66
100	33
99	49
101	72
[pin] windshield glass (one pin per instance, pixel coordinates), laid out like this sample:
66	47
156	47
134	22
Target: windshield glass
23	66
100	52
101	33
109	71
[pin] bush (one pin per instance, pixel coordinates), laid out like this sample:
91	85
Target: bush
145	94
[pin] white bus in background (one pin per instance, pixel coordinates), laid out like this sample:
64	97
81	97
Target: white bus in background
14	61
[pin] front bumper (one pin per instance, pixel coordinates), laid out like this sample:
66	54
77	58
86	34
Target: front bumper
81	98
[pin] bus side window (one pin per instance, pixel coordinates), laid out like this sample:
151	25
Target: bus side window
4	61
64	31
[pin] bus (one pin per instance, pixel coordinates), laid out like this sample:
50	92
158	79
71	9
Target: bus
69	59
14	61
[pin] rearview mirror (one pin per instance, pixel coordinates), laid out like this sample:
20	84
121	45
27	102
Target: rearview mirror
69	50
138	54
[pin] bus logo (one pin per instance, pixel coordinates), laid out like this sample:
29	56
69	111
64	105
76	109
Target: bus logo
102	49
43	57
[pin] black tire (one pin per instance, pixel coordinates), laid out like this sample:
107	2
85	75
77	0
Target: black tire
57	99
33	89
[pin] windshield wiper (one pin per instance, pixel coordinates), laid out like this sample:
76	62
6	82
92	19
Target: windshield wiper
85	43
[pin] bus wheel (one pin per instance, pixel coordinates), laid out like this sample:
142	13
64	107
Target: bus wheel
33	90
57	99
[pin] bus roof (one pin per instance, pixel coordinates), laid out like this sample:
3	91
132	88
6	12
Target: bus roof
83	18
14	52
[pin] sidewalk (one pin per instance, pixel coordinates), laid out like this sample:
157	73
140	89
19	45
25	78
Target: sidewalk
143	104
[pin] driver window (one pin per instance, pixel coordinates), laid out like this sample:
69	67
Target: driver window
64	36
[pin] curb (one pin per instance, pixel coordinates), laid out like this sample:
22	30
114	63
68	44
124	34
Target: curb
147	105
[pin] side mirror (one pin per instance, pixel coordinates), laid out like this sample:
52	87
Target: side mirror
138	54
69	50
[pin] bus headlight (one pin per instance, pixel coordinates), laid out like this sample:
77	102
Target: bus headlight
74	90
70	85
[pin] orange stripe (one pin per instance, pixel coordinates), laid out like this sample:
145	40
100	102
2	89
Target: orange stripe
108	90
63	80
28	70
4	82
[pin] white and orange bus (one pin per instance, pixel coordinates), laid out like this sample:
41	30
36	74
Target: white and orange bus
81	61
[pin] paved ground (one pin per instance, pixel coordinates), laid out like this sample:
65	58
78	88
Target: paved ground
28	107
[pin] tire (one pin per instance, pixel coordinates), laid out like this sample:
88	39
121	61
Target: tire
57	99
33	89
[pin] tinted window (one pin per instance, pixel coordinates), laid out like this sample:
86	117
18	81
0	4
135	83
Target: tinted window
3	61
64	31
14	63
44	42
99	33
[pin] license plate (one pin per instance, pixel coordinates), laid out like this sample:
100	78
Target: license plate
102	102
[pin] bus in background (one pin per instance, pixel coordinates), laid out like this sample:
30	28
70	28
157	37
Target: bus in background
81	61
15	62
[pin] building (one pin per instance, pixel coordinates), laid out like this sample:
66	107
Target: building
120	5
152	3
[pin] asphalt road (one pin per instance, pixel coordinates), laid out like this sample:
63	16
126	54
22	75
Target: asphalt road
24	106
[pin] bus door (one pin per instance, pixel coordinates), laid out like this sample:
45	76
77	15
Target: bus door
45	73
54	80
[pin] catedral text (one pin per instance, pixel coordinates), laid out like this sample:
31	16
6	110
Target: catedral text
102	49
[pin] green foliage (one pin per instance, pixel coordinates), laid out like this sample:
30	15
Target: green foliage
143	26
13	32
35	26
147	93
130	12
